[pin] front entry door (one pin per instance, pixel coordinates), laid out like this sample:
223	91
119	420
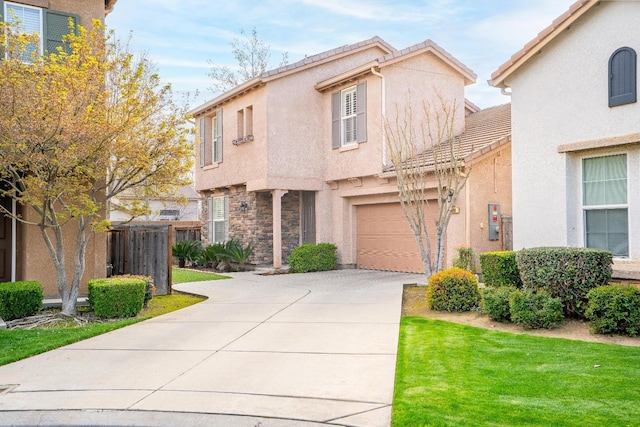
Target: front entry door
5	242
308	220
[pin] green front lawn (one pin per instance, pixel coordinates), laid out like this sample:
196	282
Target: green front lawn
19	344
456	375
180	275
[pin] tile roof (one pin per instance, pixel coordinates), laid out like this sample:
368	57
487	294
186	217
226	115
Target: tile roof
484	131
576	10
425	45
303	63
329	53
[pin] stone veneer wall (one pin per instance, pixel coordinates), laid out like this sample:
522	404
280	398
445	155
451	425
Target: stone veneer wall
290	223
256	224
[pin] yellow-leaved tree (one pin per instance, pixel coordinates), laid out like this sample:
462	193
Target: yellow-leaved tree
78	126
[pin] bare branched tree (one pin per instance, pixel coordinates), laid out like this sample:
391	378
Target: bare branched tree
427	156
252	56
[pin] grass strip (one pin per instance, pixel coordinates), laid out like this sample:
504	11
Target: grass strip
456	375
184	276
19	344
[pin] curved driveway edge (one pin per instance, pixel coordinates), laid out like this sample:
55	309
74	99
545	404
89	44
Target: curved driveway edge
297	349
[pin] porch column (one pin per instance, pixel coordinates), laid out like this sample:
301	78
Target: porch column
276	196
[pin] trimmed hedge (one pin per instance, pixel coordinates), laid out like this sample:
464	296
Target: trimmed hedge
318	257
535	310
20	299
500	269
495	302
116	297
565	273
614	309
453	289
149	289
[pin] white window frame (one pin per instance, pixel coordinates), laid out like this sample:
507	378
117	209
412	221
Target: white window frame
348	116
218	214
6	16
604	207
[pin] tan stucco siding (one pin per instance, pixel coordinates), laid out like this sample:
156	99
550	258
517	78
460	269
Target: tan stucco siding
240	163
34	260
489	182
87	9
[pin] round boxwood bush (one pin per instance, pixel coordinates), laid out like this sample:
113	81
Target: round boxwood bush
535	310
453	289
495	302
614	309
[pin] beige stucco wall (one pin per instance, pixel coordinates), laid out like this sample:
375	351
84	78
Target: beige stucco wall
559	97
489	182
33	260
289	138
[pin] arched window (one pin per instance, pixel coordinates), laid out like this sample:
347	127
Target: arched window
622	77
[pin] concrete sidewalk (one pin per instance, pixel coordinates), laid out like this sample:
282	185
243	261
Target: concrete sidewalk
285	350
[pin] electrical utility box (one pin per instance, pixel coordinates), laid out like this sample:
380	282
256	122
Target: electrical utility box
494	222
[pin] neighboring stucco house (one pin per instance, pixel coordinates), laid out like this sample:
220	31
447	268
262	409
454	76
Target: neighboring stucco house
299	155
23	254
576	131
183	205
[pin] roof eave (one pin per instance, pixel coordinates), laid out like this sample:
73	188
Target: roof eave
532	48
230	94
346	76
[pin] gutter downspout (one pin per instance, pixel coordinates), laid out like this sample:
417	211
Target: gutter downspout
383	110
14	245
503	90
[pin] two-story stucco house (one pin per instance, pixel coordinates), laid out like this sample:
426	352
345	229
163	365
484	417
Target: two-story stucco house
576	133
299	154
23	254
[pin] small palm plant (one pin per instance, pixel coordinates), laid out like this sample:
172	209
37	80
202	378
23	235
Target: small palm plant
186	250
239	253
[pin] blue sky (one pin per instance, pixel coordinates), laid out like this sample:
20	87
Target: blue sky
180	36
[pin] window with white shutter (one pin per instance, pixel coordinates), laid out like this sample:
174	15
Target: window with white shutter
348	116
218	219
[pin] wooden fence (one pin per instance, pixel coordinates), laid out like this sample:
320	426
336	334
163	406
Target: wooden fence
144	250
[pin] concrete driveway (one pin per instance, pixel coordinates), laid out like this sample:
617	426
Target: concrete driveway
285	350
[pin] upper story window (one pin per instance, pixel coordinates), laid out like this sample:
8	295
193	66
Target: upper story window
49	25
210	139
28	20
245	125
216	127
622	77
348	116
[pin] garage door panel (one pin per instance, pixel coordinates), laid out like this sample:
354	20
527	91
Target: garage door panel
385	240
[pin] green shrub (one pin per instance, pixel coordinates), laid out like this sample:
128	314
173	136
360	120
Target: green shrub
614	309
565	273
466	259
500	269
149	289
20	299
318	257
116	296
453	289
535	310
495	302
